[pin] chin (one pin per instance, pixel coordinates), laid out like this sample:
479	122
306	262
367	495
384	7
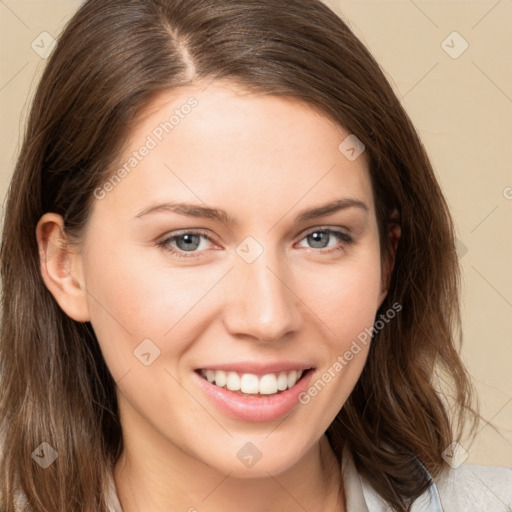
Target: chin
248	461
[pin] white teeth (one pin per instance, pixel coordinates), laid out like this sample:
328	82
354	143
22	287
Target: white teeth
282	381
292	378
249	383
252	384
268	384
220	378
233	381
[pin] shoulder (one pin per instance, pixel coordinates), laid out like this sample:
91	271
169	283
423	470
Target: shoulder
464	489
475	489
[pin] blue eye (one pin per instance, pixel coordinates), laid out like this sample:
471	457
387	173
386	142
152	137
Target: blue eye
319	236
186	243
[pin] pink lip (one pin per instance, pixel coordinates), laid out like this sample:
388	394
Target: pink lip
259	368
257	408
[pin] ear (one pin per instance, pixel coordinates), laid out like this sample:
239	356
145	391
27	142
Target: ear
61	267
394	233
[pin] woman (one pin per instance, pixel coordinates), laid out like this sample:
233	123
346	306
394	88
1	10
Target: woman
291	360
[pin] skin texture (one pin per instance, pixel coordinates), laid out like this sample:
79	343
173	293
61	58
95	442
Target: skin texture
262	159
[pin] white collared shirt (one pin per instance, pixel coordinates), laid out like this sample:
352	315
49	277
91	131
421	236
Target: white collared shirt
465	489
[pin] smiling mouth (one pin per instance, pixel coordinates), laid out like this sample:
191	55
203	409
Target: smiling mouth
250	384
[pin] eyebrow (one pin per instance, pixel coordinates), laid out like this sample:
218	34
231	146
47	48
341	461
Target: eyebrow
218	214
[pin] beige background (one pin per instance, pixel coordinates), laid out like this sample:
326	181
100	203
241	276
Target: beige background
462	108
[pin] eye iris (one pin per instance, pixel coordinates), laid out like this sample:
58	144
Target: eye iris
191	244
316	237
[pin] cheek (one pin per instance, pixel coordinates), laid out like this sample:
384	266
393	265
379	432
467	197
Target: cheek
345	296
344	299
133	299
350	317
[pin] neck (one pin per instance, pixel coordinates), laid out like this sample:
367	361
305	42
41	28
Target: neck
179	482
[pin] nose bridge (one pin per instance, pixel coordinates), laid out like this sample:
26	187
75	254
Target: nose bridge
262	302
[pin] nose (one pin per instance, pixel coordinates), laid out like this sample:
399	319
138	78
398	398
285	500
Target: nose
261	301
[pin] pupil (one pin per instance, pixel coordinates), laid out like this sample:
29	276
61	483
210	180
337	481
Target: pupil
317	237
189	241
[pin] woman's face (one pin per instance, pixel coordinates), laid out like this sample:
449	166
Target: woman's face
241	280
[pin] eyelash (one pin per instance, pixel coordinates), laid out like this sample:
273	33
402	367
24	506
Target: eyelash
346	240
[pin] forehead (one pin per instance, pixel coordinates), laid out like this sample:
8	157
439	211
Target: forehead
223	143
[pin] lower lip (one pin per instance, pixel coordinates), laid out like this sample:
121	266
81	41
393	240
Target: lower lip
257	408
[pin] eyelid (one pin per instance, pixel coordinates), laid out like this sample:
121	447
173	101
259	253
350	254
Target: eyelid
164	241
172	235
185	231
337	229
206	233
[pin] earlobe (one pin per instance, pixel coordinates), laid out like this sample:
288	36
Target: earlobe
61	267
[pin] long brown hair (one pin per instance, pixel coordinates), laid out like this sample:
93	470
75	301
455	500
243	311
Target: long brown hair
111	60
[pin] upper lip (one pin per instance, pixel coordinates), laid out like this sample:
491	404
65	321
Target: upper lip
258	368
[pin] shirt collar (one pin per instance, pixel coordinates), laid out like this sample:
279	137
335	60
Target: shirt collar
362	497
352	486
